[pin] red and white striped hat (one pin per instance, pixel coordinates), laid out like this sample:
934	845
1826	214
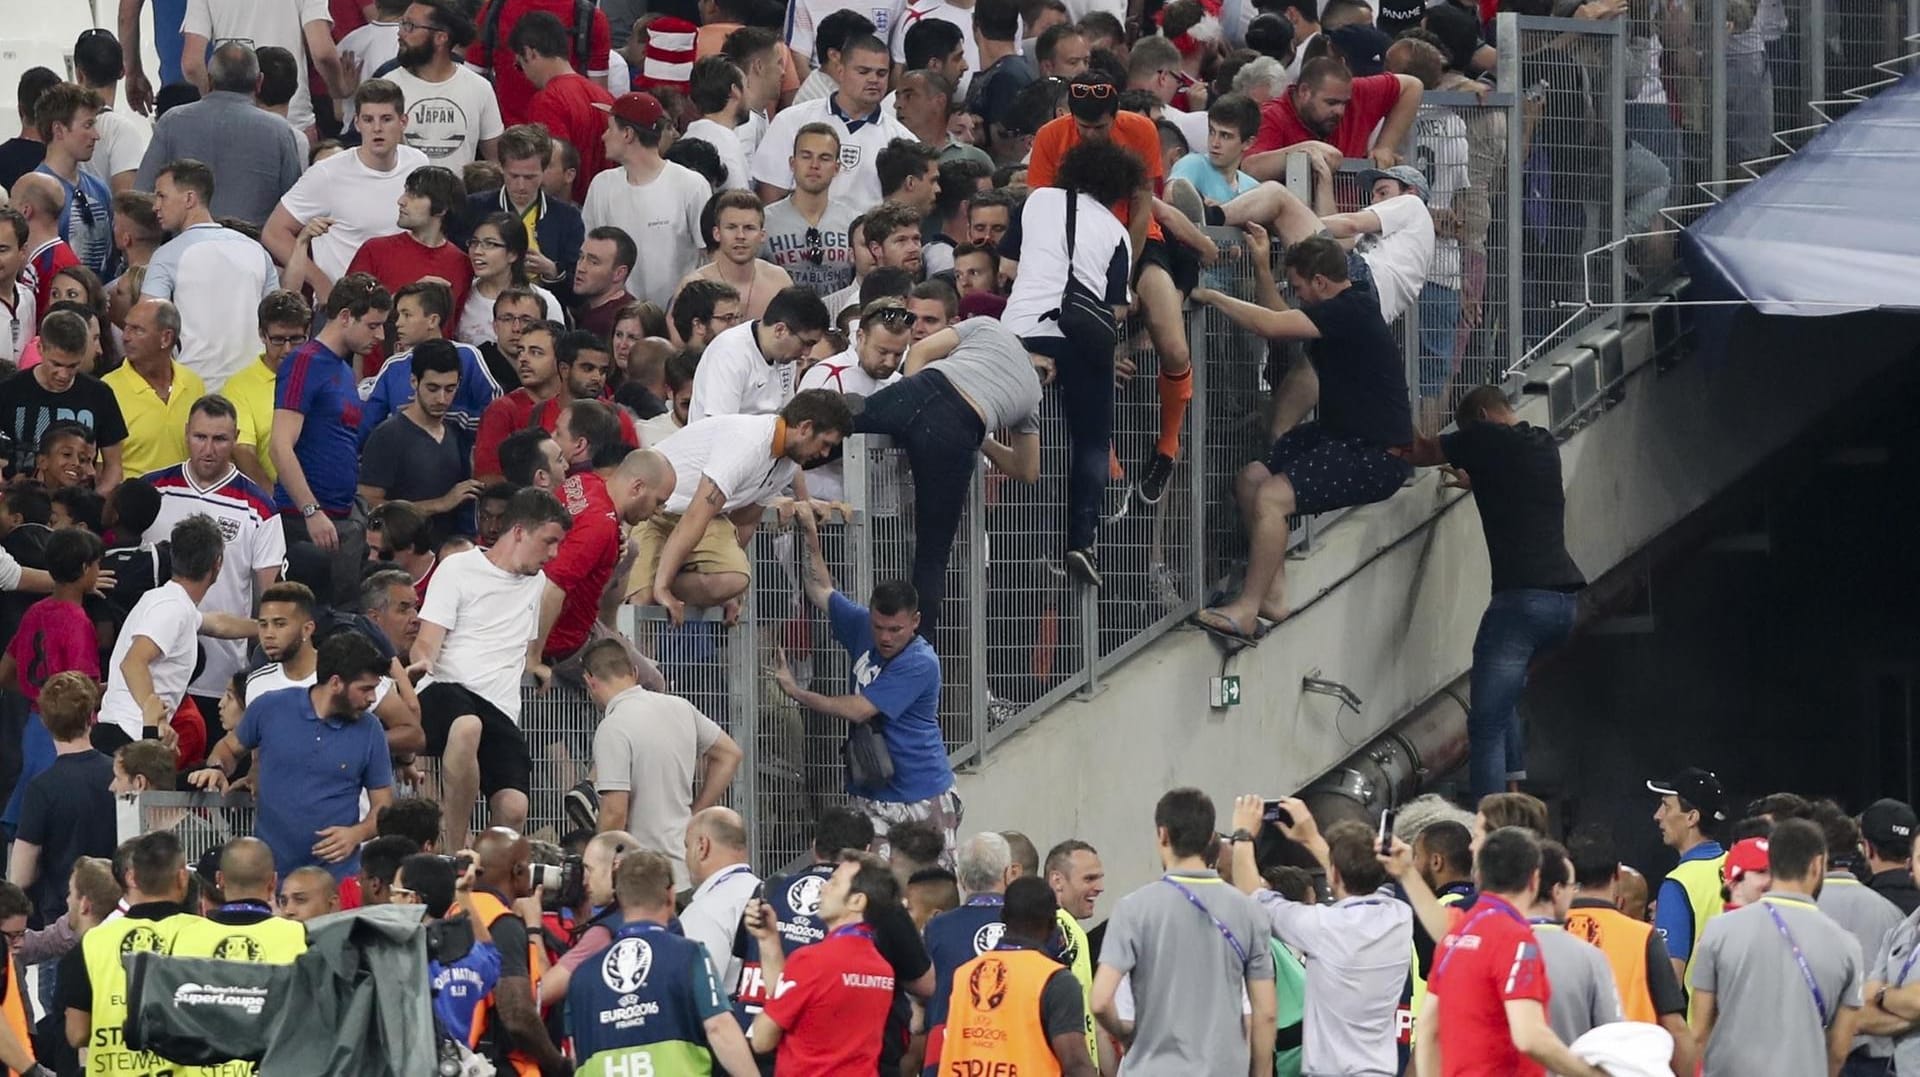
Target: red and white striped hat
669	54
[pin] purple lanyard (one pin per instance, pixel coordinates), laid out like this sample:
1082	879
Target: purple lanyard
1819	997
1239	950
865	931
1907	965
1467	928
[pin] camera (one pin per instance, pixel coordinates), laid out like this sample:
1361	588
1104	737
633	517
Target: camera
460	864
565	883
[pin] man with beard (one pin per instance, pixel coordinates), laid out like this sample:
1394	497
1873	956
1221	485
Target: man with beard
416	456
613	489
584	361
556	366
736	227
892	235
287	629
1330	109
452	114
317	755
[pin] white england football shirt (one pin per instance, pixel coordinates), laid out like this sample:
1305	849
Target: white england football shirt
251	527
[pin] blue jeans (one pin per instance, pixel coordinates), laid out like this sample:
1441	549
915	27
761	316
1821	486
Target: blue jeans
1518	626
1084	377
941	433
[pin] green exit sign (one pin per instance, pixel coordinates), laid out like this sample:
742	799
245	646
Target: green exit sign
1223	692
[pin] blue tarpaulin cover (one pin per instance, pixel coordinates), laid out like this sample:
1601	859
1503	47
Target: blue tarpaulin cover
1832	229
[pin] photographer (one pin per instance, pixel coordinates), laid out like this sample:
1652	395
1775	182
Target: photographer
462	962
507	904
597	916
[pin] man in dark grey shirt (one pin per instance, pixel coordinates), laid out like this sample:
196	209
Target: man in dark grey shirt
1777	984
1191	945
1865	914
256	154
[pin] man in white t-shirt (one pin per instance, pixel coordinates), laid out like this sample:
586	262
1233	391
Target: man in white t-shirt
153	658
99	64
726	469
256	547
648	197
880	343
348	198
287	639
302	27
716	87
452	114
749	369
855	114
216	276
960	15
480	619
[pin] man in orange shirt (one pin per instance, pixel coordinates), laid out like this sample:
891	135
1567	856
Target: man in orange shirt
1163	269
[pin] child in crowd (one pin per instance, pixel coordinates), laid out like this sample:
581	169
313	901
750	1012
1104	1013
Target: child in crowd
77	507
55	636
1232	123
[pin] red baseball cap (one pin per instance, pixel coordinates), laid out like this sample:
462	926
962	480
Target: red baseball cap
1747	854
639	109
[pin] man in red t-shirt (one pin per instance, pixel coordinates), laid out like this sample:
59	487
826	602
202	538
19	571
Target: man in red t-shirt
1328	106
1093	106
830	999
420	249
556	366
584	361
513	88
616	487
1485	1013
564	103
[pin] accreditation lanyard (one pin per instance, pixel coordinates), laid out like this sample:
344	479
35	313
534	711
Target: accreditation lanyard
1800	958
1239	950
1493	908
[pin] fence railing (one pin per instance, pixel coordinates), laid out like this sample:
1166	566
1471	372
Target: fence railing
1552	193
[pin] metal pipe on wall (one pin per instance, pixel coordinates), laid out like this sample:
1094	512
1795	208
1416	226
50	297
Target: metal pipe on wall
1392	768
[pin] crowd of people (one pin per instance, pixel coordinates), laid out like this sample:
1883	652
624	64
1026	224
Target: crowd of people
370	358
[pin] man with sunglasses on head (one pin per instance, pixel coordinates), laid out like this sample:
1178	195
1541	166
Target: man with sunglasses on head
452	114
869	363
1166	263
806	232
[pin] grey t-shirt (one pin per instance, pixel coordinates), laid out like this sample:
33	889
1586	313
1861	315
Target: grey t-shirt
1895	965
1584	994
991	368
649	747
1869	916
1767	1021
1187	978
791	243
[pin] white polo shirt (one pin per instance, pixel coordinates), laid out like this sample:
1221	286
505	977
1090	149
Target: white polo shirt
167	616
217	278
861	140
735	378
735	452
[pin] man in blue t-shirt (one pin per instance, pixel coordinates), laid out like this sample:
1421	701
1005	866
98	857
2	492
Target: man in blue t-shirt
318	751
895	689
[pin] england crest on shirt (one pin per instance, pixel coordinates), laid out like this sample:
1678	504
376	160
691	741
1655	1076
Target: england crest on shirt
849	156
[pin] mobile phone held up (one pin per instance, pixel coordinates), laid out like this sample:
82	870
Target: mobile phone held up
1386	832
1274	813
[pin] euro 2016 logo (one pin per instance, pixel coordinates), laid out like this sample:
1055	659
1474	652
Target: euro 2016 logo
988	936
803	897
626	965
988	984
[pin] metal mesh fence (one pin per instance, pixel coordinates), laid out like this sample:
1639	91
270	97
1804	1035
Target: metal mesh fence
1592	131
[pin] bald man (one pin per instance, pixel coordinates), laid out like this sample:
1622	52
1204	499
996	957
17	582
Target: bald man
723	881
243	927
307	893
40	198
602	501
598	922
154	389
505	900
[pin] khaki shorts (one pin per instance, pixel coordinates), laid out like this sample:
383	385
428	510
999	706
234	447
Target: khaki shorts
718	550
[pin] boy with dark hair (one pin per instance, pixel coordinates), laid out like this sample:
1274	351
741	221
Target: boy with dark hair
77	507
55	636
1232	123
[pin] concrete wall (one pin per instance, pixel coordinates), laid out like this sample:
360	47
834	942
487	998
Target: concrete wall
1389	601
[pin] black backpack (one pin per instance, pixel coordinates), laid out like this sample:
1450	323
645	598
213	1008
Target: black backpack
582	32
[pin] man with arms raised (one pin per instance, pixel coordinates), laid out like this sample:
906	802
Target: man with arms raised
478	628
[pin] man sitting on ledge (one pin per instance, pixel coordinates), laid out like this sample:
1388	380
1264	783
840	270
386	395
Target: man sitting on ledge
1344	457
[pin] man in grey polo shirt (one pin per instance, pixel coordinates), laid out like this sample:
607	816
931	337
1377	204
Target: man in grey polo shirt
1853	905
1777	984
1357	949
1893	994
1192	945
1584	994
255	154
